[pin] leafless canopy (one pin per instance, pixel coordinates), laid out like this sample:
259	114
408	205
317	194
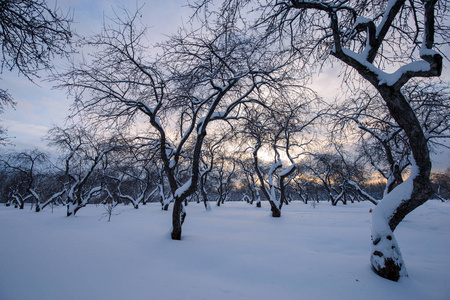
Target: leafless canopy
31	34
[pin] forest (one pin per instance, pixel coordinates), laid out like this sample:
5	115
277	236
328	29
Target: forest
223	111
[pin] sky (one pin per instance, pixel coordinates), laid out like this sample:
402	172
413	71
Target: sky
39	106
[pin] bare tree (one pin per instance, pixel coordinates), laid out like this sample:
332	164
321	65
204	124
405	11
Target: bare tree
31	34
212	143
82	151
222	174
371	38
133	177
247	167
285	130
199	79
382	139
29	164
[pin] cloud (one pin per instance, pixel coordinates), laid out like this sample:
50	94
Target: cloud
25	135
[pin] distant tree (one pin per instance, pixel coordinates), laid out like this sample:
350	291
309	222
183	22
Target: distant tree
132	177
247	168
29	165
14	185
441	184
326	167
222	174
82	150
285	129
31	178
304	184
208	158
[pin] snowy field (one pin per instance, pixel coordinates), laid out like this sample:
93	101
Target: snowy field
236	251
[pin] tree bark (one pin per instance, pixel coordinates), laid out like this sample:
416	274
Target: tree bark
178	217
276	212
386	257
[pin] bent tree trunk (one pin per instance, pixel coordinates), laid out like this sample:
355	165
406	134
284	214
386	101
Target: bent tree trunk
386	257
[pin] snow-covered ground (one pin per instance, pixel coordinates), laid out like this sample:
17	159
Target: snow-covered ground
235	251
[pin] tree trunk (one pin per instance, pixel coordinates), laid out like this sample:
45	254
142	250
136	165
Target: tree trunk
204	196
276	212
206	203
178	216
164	206
69	210
386	257
73	208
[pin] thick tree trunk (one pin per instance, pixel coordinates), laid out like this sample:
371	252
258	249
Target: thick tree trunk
386	257
276	212
73	208
178	216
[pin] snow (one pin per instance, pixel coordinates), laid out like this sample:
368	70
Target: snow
388	78
181	190
236	251
387	11
362	20
287	170
386	207
391	79
424	51
380	222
